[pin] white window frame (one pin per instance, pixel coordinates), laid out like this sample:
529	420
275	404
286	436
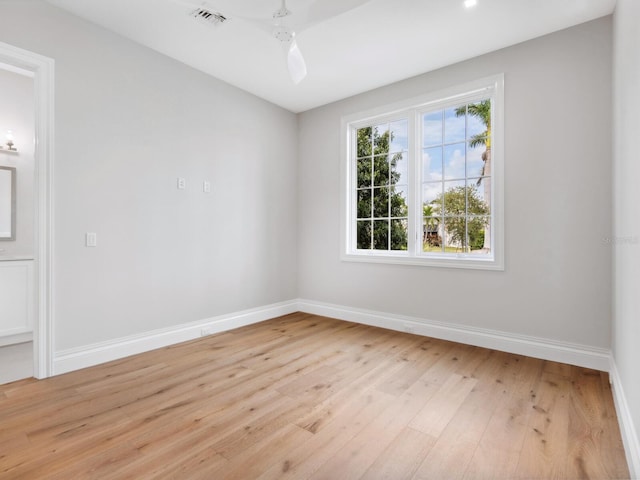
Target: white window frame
412	109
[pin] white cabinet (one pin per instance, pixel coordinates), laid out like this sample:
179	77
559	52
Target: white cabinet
16	301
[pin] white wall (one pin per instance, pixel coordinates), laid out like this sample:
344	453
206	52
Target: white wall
557	201
16	362
626	198
128	122
17	115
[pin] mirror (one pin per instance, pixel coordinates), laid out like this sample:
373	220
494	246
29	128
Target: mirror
7	203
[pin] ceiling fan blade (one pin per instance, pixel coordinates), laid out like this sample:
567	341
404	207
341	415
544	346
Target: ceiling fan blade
296	63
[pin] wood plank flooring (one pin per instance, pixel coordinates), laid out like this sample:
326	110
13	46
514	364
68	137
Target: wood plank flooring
307	397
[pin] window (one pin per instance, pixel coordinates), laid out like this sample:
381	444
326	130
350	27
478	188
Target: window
423	180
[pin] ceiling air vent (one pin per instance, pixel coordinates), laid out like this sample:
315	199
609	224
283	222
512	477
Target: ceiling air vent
207	16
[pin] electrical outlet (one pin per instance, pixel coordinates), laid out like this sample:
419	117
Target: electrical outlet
206	186
182	183
205	331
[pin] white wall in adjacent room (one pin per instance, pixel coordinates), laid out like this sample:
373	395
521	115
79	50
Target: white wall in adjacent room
16	362
17	116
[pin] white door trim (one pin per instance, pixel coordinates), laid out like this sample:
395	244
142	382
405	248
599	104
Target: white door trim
43	70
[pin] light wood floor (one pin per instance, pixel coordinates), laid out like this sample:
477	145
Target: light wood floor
306	397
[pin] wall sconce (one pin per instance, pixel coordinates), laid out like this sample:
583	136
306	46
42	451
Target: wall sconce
9	143
9	138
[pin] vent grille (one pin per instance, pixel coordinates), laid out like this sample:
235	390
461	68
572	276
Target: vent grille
207	16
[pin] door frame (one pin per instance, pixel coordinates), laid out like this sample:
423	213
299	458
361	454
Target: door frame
43	71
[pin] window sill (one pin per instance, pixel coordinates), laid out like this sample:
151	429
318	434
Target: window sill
442	261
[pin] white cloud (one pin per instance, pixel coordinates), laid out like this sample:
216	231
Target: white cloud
431	168
454	161
430	192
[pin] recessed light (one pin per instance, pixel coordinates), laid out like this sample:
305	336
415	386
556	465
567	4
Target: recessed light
470	3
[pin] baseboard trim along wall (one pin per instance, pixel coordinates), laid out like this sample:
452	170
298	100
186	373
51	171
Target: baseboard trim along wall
580	355
87	356
627	429
546	349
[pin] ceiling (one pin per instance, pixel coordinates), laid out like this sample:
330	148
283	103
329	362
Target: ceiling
350	46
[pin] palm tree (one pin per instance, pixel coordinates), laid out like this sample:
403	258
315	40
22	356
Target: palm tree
482	111
430	226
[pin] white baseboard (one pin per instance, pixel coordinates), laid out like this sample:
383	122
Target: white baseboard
580	355
87	356
627	429
16	338
564	352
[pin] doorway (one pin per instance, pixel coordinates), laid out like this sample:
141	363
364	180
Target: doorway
41	70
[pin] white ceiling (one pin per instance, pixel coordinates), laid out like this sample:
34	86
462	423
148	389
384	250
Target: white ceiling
350	46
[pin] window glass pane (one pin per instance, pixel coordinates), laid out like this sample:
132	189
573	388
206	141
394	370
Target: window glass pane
399	136
432	128
455	234
431	234
432	164
454	161
398	199
485	192
479	196
381	234
364	203
364	235
479	235
478	119
475	160
364	173
454	125
380	170
364	142
399	168
381	202
455	198
399	230
447	243
430	193
381	139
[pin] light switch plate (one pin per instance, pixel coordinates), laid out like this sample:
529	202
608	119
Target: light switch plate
91	239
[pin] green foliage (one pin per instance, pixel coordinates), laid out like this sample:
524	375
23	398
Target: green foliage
476	237
428	210
429	215
482	111
381	208
464	216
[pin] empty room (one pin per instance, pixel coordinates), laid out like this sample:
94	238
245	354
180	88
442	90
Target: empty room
319	239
